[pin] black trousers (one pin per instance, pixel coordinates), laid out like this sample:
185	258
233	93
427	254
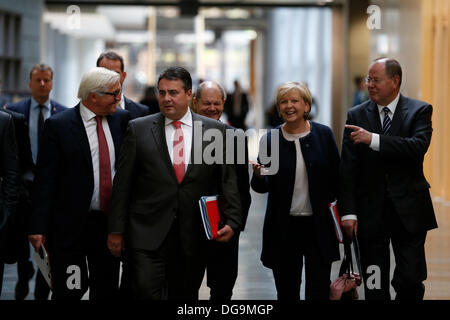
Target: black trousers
89	265
409	252
222	268
288	271
167	273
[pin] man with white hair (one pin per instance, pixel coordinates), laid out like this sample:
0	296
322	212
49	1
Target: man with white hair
72	187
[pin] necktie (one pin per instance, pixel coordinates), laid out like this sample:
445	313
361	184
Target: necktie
178	151
386	122
40	125
104	166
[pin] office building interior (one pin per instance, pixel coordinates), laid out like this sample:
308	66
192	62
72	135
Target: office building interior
261	44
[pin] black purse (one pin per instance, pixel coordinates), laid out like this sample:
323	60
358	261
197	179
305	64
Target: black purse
344	287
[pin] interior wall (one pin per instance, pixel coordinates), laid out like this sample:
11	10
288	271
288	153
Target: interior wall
435	84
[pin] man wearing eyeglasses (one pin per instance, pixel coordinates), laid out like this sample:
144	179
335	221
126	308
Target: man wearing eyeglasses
114	62
72	188
385	197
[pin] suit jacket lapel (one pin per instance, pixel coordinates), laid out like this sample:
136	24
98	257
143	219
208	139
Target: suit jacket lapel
374	118
79	131
159	134
114	128
399	116
193	144
52	107
27	112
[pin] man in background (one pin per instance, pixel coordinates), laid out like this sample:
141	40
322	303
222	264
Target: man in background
35	110
222	263
114	62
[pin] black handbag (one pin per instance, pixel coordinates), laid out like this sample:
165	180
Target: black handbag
344	287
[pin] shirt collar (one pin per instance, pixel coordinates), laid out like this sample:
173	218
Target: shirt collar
35	104
392	106
186	119
85	113
121	103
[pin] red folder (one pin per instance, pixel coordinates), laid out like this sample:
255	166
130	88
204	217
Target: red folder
336	221
209	210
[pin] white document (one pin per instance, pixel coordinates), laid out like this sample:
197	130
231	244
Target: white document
41	259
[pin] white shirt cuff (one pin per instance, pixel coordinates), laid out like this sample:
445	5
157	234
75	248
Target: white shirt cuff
375	143
349	217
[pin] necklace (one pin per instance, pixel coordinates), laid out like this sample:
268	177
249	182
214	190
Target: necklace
297	130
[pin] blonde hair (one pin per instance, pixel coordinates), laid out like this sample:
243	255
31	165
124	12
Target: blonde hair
300	87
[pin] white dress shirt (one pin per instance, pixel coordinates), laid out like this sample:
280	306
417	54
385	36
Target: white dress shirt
90	125
121	104
186	126
375	143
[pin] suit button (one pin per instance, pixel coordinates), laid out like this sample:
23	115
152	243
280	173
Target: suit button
307	145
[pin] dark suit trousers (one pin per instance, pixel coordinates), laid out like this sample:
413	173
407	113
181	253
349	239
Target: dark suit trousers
222	268
89	265
288	271
166	273
409	253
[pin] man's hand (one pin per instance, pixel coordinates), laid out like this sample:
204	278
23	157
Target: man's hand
115	244
225	234
349	226
257	169
359	135
36	241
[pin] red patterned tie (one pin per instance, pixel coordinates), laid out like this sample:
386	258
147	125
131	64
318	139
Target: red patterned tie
178	151
104	166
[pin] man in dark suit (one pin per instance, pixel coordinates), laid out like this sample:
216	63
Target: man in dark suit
36	110
162	173
72	188
222	264
236	106
384	194
114	62
9	187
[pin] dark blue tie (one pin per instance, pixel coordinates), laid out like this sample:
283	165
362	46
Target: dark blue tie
386	122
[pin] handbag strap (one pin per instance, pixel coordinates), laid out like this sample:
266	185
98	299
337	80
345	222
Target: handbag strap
348	257
357	254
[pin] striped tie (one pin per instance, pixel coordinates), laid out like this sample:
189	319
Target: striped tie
386	122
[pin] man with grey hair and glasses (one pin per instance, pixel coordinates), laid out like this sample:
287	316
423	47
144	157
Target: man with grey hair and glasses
72	188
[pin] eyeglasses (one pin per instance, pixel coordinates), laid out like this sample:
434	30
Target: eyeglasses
114	94
374	80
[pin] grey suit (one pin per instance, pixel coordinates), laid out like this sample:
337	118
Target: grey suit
158	215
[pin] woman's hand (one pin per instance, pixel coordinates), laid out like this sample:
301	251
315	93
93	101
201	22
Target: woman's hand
257	169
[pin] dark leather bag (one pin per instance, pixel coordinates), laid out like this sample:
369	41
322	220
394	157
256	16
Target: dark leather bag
344	287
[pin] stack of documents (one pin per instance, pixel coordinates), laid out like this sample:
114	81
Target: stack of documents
209	210
336	221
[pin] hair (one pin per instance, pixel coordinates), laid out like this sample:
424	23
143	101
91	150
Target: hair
41	67
206	84
300	87
392	68
111	55
177	73
358	80
96	79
